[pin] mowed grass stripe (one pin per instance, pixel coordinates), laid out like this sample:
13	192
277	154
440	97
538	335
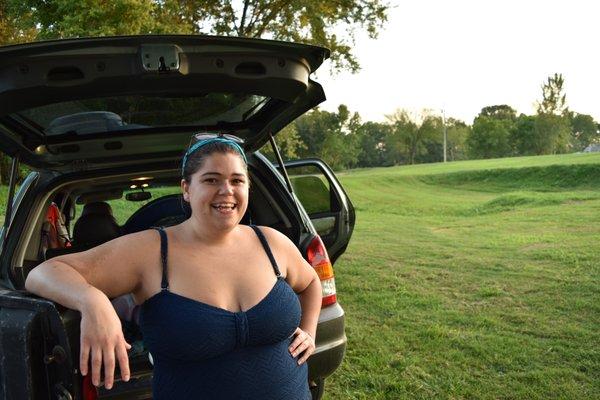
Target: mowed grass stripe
485	287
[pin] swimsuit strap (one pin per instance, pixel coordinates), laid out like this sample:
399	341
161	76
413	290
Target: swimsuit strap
265	244
164	284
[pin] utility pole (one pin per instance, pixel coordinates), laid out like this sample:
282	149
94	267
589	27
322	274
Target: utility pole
445	133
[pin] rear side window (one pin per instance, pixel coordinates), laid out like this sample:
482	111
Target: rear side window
312	189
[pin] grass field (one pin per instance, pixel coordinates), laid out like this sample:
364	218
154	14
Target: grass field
471	280
476	279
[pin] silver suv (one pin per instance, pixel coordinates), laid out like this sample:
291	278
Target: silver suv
106	120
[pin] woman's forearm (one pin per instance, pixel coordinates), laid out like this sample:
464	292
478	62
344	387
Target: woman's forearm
57	281
310	301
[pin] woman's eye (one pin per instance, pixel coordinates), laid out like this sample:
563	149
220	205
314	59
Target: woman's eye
238	181
210	180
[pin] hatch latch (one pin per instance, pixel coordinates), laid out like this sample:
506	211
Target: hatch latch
161	58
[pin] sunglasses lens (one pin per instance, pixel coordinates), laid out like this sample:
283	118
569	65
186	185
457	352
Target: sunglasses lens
204	136
233	138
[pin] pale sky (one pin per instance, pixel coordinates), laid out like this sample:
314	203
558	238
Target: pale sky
462	55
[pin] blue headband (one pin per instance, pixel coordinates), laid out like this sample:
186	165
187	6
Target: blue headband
203	143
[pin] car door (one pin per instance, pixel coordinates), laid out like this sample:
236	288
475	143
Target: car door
325	201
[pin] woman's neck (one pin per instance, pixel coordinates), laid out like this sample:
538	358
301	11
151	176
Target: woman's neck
206	234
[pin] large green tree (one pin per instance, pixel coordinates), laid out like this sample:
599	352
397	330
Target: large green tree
552	125
307	21
330	136
501	111
372	139
490	136
584	131
414	137
523	137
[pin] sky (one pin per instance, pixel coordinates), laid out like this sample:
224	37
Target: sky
461	56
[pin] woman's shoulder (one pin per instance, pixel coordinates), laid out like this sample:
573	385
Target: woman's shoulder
278	241
273	235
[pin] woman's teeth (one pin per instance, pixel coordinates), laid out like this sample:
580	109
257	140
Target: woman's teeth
224	207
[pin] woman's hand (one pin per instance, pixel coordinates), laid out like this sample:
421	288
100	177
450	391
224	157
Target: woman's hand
102	340
303	343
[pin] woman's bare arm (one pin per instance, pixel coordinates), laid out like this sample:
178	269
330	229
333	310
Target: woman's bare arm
85	281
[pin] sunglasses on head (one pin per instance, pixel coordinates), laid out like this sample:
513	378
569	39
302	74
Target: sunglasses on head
199	137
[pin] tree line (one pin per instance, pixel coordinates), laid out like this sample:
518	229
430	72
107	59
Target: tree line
342	140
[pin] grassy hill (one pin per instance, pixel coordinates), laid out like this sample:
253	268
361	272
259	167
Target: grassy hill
475	279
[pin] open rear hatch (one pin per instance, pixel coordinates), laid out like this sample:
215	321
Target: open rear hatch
94	103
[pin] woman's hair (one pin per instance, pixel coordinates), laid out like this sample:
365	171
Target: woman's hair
195	160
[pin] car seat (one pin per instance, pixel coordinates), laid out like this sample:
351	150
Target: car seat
95	226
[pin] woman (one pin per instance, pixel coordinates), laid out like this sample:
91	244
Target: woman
219	313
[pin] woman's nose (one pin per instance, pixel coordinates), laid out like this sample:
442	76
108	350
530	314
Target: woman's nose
226	188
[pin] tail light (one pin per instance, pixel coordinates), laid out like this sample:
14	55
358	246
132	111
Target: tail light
88	390
317	256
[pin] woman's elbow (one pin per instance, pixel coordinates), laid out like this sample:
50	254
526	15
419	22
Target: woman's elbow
32	280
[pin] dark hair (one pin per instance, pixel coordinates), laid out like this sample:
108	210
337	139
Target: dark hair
195	160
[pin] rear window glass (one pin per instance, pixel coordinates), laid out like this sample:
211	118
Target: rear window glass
138	112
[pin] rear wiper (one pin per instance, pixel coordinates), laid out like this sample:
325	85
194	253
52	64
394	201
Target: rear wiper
31	124
253	108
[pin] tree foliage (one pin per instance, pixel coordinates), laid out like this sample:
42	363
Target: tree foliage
457	133
554	100
330	136
412	135
584	131
373	144
502	112
552	125
288	142
490	137
523	136
492	131
306	21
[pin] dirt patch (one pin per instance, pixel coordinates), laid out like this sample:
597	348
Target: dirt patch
536	246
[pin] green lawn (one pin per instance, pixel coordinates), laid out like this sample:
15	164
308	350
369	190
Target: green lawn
474	279
463	283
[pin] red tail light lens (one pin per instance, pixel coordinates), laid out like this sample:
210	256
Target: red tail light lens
88	390
317	256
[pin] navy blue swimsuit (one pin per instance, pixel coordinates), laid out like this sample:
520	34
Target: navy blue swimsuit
206	352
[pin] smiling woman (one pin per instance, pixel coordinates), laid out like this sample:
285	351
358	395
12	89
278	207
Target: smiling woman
227	310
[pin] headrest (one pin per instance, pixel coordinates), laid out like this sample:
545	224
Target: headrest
97	207
96	224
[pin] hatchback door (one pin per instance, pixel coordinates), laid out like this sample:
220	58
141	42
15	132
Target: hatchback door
106	102
325	201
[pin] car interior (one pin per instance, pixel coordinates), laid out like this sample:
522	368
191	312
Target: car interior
83	213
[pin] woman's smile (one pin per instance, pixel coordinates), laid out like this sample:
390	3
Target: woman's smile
225	208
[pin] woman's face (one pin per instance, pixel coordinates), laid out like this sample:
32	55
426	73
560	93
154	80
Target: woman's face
218	191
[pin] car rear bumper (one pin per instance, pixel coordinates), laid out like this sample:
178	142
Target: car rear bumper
331	343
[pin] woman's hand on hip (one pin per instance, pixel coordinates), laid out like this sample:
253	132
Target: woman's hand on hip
303	344
102	340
